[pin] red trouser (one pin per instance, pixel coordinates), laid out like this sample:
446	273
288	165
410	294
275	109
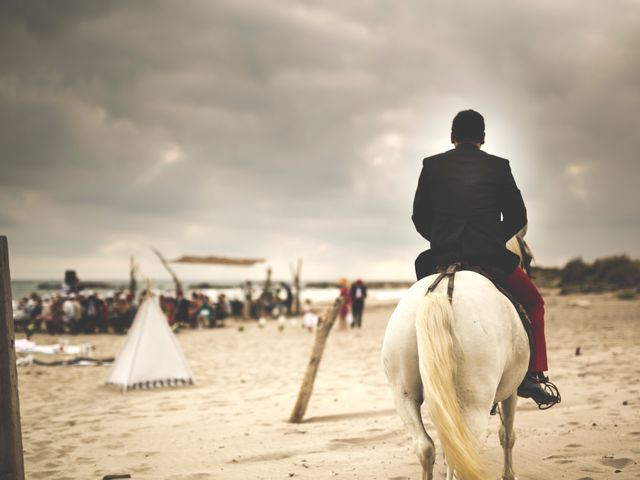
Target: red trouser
525	292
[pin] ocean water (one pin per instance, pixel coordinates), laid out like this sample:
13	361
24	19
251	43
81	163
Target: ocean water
23	288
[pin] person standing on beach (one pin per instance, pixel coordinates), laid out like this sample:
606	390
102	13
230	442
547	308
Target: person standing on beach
57	316
467	205
181	311
310	319
247	307
358	295
288	299
69	313
346	306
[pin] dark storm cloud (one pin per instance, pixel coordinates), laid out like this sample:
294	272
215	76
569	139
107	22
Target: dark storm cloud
293	128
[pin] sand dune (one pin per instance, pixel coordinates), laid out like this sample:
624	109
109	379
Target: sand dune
232	424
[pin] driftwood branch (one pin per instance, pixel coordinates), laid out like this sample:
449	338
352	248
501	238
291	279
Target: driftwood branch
11	454
322	333
176	280
265	297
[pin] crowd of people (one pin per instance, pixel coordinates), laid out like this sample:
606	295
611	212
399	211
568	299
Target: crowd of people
88	312
273	300
199	310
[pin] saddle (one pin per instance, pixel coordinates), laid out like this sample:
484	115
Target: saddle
449	272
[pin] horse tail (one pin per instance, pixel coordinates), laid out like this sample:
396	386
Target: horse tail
435	334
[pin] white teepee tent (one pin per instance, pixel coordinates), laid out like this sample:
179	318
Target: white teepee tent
151	355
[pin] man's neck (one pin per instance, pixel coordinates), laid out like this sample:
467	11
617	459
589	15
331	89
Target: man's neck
475	144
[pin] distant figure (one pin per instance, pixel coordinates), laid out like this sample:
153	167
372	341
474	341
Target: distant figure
168	305
288	300
194	308
91	312
222	309
346	306
107	312
358	295
46	315
236	307
71	283
310	318
205	313
182	308
123	314
248	301
35	322
69	313
56	325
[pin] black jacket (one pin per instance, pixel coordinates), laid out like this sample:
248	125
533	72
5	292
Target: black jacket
467	206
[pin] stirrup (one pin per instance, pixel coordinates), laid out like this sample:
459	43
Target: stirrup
551	390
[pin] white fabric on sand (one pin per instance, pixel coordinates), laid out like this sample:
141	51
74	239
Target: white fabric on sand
27	346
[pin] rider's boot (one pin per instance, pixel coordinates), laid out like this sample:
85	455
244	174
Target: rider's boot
538	387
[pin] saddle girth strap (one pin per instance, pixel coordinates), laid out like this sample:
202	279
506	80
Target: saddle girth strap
450	273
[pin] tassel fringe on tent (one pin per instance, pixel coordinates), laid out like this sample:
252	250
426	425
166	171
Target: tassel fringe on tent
169	382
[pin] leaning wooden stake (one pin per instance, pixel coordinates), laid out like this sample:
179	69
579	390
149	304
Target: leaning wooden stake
11	456
314	362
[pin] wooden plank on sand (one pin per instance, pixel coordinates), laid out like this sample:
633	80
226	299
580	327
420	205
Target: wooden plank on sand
11	455
322	332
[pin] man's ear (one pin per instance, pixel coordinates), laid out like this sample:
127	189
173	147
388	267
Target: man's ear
482	141
453	139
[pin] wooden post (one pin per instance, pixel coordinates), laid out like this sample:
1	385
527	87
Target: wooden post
133	270
322	332
267	283
295	274
265	297
11	455
248	301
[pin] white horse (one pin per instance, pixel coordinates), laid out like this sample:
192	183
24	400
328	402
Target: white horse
460	358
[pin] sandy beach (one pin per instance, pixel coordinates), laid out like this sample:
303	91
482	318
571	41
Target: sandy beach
232	424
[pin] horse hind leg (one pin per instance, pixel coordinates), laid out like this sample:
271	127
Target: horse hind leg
477	420
409	410
448	471
507	435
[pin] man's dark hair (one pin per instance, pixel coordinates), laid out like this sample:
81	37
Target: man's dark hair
468	126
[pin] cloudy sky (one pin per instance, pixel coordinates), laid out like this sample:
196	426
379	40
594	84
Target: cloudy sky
286	129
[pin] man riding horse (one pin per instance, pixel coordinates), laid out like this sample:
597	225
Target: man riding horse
467	205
